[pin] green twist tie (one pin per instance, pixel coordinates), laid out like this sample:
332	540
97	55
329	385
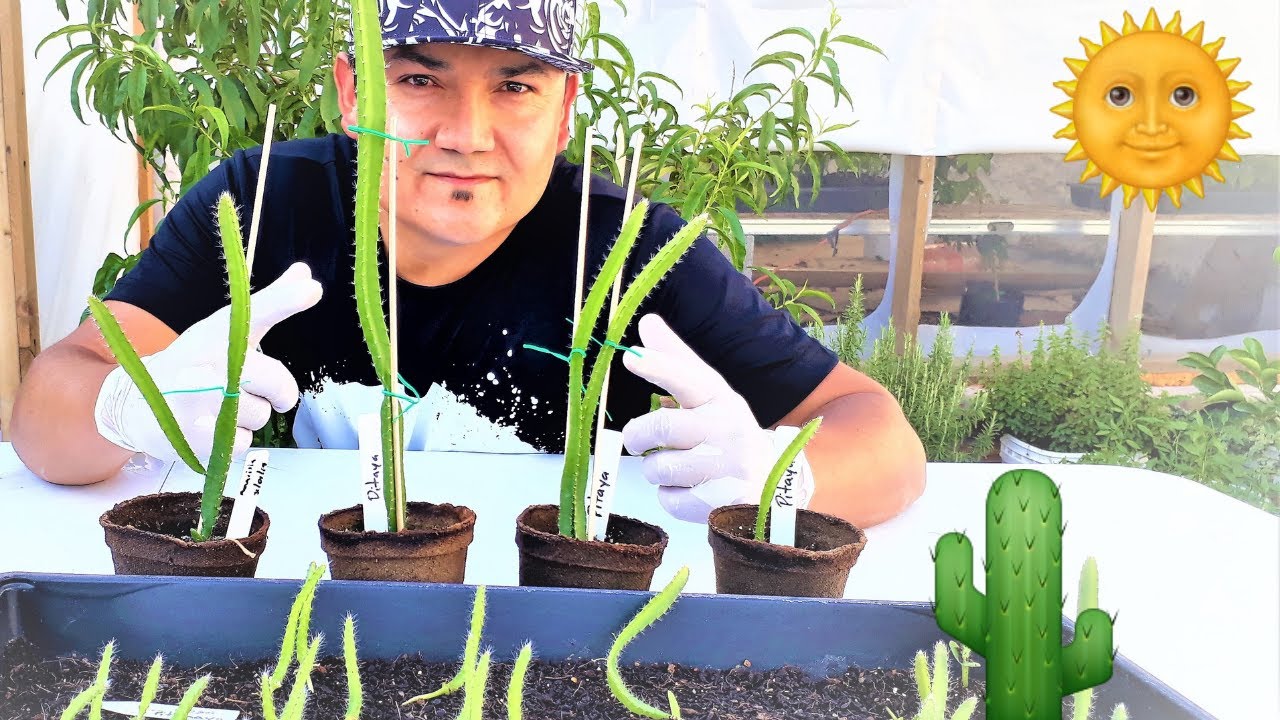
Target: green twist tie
609	343
200	390
417	398
403	141
565	358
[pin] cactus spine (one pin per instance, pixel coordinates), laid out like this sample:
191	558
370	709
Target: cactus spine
1016	626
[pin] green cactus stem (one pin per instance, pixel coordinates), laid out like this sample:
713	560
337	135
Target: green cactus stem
1017	626
224	429
191	697
775	475
648	615
355	693
583	408
215	475
371	110
128	358
515	689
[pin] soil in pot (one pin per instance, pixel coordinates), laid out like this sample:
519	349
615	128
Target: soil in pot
37	688
979	306
625	560
151	535
818	566
433	547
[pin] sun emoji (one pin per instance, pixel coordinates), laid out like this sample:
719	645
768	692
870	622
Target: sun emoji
1152	109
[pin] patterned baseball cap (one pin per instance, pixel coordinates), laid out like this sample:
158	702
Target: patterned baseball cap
543	29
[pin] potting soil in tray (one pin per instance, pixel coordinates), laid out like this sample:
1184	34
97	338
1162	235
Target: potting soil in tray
34	687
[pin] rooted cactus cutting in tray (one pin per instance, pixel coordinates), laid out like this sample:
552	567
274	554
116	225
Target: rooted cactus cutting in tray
311	678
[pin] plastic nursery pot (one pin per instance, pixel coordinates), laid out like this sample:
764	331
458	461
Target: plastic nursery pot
826	549
432	548
151	535
625	560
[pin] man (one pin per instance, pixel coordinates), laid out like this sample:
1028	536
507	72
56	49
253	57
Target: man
487	245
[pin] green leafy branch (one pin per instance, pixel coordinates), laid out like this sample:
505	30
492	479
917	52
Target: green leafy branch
736	148
196	83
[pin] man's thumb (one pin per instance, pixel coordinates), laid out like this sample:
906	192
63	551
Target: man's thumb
291	293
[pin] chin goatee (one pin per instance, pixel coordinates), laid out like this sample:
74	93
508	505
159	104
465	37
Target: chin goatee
462	195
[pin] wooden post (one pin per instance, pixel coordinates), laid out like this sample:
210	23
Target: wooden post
1133	262
912	228
146	176
19	318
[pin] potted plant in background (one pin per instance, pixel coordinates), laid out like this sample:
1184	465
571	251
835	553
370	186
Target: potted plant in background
178	533
424	542
984	304
1063	399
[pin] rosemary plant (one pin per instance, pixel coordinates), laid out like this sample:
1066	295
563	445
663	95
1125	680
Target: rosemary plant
215	476
371	109
582	407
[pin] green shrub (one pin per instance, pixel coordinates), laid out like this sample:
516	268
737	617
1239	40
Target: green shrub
1064	396
931	389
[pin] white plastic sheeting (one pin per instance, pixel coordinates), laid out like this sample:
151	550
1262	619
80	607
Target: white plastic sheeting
960	76
83	180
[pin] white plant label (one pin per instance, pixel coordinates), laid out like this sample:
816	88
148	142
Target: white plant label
246	493
782	516
375	508
156	710
604	481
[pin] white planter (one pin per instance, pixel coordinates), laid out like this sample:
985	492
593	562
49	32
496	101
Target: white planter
1016	452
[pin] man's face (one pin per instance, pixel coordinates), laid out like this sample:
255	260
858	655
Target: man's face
495	120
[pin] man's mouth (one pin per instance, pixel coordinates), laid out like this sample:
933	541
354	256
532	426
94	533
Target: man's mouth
461	180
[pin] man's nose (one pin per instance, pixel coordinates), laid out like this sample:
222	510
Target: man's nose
467	125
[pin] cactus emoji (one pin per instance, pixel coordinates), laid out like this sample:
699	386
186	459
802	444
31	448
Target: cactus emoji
1017	626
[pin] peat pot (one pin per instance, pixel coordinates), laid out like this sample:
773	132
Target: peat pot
432	548
625	560
150	535
826	549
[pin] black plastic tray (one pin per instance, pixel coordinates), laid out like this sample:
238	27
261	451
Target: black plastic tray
208	620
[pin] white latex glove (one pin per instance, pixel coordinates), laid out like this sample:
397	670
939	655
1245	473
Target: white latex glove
198	359
714	453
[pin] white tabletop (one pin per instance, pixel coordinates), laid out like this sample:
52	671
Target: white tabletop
1193	574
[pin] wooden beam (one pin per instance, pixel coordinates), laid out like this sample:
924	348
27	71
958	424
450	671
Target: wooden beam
19	317
943	281
1133	262
912	228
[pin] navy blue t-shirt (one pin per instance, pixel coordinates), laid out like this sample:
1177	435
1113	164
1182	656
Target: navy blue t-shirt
463	342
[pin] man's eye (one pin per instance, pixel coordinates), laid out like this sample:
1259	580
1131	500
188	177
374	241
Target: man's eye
418	80
517	87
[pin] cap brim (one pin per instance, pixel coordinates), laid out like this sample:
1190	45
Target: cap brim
557	60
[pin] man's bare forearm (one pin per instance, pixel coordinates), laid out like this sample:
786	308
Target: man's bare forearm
868	463
54	432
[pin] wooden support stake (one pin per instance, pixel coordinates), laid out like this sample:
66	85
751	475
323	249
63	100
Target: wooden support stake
19	315
912	228
1133	262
